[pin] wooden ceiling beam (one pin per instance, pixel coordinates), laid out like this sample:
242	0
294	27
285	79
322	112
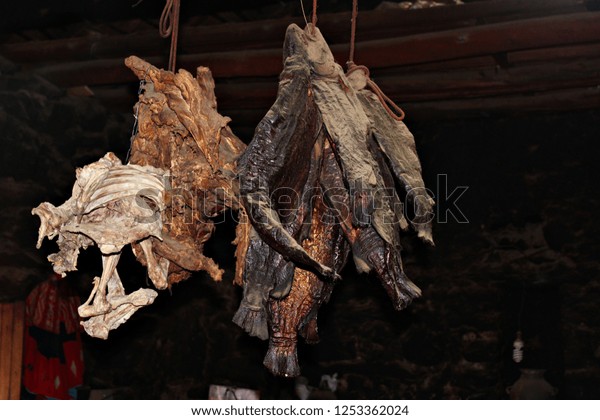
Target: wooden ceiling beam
501	38
441	85
374	24
244	121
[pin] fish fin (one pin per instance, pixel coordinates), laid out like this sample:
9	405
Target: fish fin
252	320
282	358
310	331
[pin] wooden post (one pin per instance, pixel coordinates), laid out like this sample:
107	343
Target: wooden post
12	317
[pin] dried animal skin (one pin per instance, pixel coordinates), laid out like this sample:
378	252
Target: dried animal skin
297	313
369	250
181	131
349	128
398	144
112	205
275	273
284	139
166	217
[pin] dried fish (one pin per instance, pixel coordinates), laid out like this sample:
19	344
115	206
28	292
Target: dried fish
283	139
297	313
321	120
369	250
397	143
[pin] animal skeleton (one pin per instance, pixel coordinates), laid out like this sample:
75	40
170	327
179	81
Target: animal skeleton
112	205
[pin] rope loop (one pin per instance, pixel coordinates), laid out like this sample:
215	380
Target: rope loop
169	26
390	106
314	15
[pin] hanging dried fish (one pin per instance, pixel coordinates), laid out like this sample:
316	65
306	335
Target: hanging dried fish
284	139
297	313
276	276
396	142
369	250
278	199
358	192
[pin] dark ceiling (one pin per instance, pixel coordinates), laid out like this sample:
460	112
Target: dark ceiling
468	59
40	14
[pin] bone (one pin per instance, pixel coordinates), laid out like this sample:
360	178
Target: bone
157	268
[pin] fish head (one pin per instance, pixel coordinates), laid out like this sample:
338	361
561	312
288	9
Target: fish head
309	44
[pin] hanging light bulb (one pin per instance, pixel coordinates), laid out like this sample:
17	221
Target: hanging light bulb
518	345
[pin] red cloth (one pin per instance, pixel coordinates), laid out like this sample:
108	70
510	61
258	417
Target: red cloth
53	356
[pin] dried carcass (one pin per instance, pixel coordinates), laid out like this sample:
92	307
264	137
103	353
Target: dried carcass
112	205
297	312
321	125
181	131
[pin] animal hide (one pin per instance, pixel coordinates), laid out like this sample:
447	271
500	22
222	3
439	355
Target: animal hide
180	130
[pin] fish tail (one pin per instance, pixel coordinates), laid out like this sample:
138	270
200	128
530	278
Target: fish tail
252	320
282	357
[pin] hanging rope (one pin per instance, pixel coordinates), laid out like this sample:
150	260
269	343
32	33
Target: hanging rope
169	26
303	12
353	30
390	106
314	14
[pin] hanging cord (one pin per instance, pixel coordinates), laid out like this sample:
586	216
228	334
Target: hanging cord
353	30
135	128
303	12
314	14
390	106
169	26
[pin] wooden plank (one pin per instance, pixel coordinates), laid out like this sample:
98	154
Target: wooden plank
244	121
492	81
414	86
267	34
17	350
6	321
481	40
445	65
551	101
396	52
569	52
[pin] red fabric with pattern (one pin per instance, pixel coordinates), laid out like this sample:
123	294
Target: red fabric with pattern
53	358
